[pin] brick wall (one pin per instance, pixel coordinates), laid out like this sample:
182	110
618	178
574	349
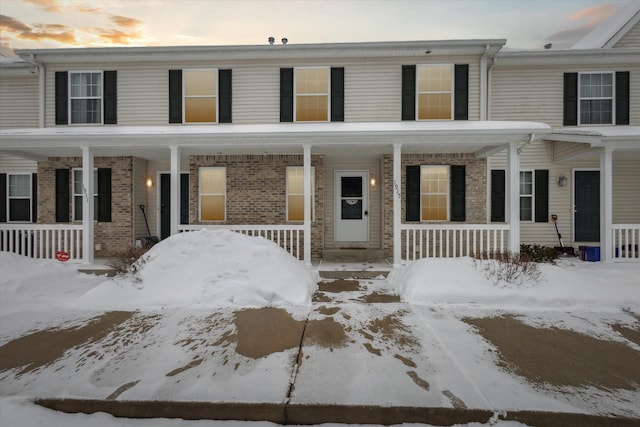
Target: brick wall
475	182
256	190
111	236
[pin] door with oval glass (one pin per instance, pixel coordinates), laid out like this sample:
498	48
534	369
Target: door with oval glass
352	206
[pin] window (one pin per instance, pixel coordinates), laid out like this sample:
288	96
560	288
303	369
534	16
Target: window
526	196
596	98
434	89
200	96
434	193
295	193
213	193
78	194
312	94
19	197
85	97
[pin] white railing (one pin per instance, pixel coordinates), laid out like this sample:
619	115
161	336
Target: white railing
288	237
450	241
626	239
41	240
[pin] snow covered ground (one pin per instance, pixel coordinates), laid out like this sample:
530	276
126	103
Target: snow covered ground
217	316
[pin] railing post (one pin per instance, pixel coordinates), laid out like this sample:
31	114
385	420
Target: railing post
513	194
606	203
307	203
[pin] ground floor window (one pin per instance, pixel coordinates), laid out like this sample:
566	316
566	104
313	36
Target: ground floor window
526	195
295	193
434	193
19	201
212	193
78	194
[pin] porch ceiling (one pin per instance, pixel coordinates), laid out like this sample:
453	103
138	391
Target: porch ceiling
153	142
617	138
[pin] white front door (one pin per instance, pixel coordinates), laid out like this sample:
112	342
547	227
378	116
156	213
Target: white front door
352	206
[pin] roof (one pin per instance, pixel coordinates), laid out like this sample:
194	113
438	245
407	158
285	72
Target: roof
614	137
609	32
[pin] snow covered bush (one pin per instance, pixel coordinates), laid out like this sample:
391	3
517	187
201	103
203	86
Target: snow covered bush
539	253
128	260
508	268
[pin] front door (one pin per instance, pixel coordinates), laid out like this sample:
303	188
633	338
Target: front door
165	202
352	206
587	206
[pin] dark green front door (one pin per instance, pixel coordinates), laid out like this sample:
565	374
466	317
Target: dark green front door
587	206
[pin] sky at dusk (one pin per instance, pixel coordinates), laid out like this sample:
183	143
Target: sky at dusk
526	24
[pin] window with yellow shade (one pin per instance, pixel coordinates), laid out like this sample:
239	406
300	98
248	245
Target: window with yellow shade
312	94
200	96
295	193
212	193
434	193
435	89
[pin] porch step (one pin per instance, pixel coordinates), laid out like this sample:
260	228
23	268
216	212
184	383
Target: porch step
373	256
353	264
353	274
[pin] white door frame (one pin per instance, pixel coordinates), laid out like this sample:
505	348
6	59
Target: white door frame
354	230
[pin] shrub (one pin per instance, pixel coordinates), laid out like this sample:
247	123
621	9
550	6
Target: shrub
539	253
508	268
125	261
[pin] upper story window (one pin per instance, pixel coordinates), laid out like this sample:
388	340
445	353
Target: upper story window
435	92
86	97
312	94
596	98
200	96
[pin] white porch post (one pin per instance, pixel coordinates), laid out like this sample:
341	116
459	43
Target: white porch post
606	204
87	205
397	207
307	203
174	211
513	196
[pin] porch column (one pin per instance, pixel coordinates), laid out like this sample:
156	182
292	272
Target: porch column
513	196
87	206
606	204
307	203
397	204
174	211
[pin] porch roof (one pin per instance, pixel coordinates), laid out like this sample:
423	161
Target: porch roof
480	137
625	138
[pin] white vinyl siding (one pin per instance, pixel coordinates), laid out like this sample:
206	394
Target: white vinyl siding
19	102
256	95
11	163
631	39
364	104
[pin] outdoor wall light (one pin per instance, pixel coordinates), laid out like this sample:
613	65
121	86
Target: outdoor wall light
372	181
562	181
149	183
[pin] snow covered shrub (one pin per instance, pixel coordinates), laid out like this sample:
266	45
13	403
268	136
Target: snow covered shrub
505	268
126	261
539	253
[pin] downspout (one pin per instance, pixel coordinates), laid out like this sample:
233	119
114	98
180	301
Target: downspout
41	86
483	84
489	74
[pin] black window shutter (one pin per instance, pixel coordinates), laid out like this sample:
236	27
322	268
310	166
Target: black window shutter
3	197
498	195
184	198
34	197
408	92
337	94
175	96
104	195
62	195
413	194
570	99
622	98
458	193
62	98
110	97
542	195
224	84
286	94
461	92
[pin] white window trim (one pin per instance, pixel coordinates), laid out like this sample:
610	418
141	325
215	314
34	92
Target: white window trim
184	96
452	92
74	195
532	196
313	192
295	94
200	194
70	98
612	98
9	197
448	193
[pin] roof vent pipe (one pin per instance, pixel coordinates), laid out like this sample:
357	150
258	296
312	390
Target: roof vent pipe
548	46
271	40
284	41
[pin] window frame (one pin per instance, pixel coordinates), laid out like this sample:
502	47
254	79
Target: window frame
200	194
71	98
451	91
531	196
295	94
186	71
9	197
447	194
74	195
612	98
313	192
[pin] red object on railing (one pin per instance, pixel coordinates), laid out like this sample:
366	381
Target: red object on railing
62	256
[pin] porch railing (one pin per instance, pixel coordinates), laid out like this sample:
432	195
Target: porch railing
41	240
288	237
626	238
450	240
